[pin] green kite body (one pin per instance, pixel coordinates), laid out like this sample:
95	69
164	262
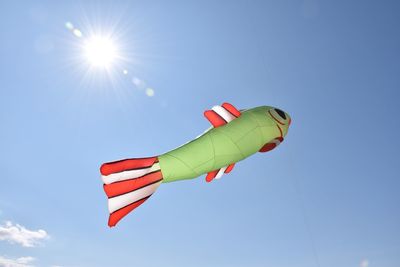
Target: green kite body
221	146
235	135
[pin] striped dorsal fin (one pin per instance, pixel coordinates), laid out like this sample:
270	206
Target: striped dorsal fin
221	115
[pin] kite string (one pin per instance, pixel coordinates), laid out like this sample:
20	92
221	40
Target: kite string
300	201
295	186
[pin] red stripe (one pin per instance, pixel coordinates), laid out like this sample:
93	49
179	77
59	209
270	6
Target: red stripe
280	130
116	216
230	168
215	119
211	175
123	187
126	164
275	118
231	109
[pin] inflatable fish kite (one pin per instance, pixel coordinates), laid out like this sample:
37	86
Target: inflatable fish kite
234	136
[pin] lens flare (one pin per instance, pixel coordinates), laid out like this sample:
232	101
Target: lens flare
100	51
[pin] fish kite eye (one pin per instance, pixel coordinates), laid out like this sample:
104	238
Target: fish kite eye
281	113
279	116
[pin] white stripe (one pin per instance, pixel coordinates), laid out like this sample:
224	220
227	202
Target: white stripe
121	201
226	115
276	141
220	172
121	176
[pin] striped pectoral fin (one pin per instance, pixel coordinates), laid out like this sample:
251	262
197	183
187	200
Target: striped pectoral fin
271	145
221	115
128	184
218	173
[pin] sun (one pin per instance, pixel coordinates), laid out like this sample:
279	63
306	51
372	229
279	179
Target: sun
101	54
100	51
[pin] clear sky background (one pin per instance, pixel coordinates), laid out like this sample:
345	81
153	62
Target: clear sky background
328	196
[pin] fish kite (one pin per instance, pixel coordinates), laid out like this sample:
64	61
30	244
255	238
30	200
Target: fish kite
234	135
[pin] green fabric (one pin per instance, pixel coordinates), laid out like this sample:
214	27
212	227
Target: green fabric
222	146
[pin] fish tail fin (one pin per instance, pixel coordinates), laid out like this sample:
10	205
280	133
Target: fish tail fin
129	183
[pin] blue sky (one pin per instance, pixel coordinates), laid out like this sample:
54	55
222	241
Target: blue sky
328	196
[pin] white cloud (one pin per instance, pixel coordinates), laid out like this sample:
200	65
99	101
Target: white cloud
364	263
20	235
20	262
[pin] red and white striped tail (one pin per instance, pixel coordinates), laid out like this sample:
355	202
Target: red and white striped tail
128	183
